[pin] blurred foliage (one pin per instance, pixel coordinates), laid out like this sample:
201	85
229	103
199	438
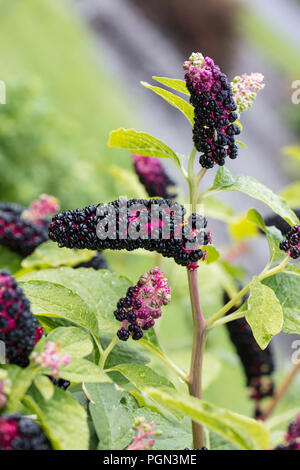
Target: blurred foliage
54	127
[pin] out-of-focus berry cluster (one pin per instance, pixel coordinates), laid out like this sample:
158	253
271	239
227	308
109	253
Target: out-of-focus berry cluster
142	304
51	358
211	95
292	437
245	89
18	432
292	243
145	434
133	224
153	176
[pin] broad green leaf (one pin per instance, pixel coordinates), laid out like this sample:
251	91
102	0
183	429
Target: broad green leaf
264	314
212	254
242	228
292	194
56	300
9	260
62	418
130	181
186	108
142	376
73	341
174	83
217	442
175	434
100	290
226	181
81	370
50	255
274	235
142	144
246	433
21	383
286	287
44	386
112	419
122	354
217	209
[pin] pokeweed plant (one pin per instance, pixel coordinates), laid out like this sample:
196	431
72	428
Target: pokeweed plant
68	379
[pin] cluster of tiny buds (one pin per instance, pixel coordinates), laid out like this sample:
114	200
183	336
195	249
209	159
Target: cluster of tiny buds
245	89
292	438
292	243
5	388
42	208
51	358
142	304
144	438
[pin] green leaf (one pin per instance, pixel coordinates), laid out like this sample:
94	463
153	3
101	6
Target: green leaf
292	194
286	287
226	181
73	341
142	376
112	419
174	83
264	314
246	433
44	386
9	260
274	235
217	442
62	418
212	254
292	151
242	228
186	108
217	209
21	383
81	370
56	300
175	434
122	353
130	181
142	144
50	255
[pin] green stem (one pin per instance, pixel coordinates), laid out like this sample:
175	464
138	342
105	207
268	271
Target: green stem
238	298
107	351
227	319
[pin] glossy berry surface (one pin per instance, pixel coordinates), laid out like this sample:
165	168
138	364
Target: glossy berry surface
153	176
18	432
17	324
292	243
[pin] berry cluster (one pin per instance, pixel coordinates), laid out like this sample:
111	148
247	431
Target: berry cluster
142	304
153	176
97	262
292	438
44	207
17	323
145	434
258	364
292	243
211	95
51	358
12	208
60	383
18	432
133	224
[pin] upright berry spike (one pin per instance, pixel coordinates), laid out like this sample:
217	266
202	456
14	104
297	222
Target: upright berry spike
17	323
153	176
155	225
258	364
142	305
211	95
18	432
292	243
145	434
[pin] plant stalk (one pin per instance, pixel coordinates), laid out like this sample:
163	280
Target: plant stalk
195	375
107	351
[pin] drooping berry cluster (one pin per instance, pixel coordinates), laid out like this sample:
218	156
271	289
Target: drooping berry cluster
23	230
17	323
51	358
211	95
153	176
97	262
18	432
258	364
142	304
292	243
155	225
145	434
245	89
292	438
